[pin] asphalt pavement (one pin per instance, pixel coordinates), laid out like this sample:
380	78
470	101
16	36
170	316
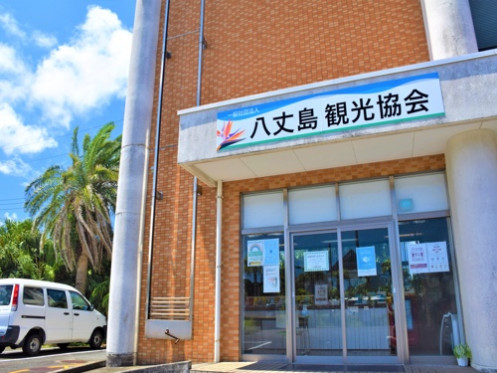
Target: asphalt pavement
51	360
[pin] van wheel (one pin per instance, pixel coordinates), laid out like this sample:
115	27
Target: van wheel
96	339
32	344
63	346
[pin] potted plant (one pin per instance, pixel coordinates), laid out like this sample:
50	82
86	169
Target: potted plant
462	352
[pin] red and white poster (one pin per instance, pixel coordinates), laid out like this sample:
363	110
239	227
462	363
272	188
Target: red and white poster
427	257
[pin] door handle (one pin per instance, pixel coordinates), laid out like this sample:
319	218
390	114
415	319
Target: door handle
76	314
66	313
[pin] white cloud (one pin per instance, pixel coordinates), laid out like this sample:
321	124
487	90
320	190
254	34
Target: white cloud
86	73
8	216
15	167
15	76
73	80
9	24
10	62
18	138
44	40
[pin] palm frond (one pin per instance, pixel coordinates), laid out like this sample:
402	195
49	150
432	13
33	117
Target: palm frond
73	205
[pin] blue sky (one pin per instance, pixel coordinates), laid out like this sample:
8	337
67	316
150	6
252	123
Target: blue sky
63	63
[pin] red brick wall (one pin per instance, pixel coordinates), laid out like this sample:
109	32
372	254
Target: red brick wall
261	45
252	47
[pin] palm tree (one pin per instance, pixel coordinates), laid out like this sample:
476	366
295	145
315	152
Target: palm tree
74	205
20	252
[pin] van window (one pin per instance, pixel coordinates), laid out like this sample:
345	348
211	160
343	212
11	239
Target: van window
5	294
33	296
78	302
57	298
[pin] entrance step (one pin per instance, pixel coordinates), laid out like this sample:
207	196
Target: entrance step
346	368
283	367
278	366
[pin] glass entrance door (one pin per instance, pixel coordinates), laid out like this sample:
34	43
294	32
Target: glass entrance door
343	301
368	297
318	321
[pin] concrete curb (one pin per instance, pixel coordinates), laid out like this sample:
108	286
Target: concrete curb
100	366
178	367
83	367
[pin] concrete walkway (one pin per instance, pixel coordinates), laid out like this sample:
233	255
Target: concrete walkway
279	367
275	367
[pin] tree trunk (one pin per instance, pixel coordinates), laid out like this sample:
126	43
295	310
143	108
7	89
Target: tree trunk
82	273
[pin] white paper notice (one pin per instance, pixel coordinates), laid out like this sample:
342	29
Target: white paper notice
271	279
321	294
438	260
418	260
316	261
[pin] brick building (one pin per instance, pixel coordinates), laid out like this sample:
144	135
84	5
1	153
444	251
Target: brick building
322	188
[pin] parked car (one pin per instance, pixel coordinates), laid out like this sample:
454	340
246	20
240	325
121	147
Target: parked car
33	313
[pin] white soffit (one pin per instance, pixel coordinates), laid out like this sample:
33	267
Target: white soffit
347	152
329	155
433	141
383	148
275	163
226	169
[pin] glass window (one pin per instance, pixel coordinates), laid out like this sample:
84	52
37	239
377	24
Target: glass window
264	319
421	193
312	205
263	210
428	286
5	294
33	296
484	13
78	302
57	298
365	200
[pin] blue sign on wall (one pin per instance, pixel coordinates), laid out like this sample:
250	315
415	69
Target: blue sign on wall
394	101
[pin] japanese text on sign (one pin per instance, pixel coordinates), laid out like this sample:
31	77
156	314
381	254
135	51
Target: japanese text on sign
351	108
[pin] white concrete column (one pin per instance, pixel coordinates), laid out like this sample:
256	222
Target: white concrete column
124	288
471	159
449	28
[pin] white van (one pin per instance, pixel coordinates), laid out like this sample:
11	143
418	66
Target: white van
34	312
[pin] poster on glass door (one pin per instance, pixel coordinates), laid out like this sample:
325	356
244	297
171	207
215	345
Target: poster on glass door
321	294
366	261
427	257
271	282
263	253
316	261
266	254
